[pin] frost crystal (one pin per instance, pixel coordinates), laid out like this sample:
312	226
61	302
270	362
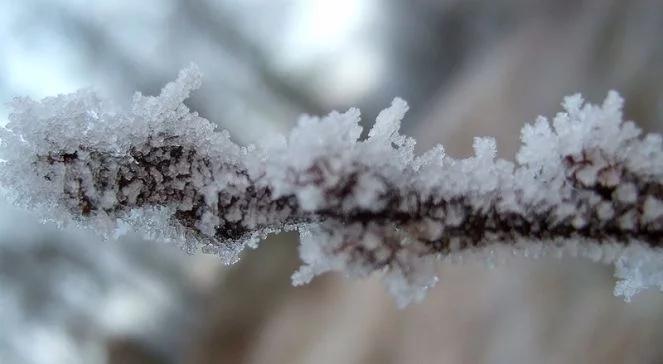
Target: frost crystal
586	184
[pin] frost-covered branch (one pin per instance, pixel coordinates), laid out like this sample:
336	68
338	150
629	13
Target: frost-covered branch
590	184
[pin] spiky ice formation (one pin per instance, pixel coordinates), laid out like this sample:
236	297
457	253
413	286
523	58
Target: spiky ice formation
589	185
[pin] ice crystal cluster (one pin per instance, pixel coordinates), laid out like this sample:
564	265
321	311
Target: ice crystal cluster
586	184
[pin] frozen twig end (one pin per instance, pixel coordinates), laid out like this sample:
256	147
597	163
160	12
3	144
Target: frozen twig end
585	184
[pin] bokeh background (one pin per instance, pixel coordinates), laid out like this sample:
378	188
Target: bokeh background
467	67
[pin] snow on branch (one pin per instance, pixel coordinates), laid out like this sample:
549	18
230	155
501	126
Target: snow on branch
586	184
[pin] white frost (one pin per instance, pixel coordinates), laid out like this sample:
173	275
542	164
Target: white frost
56	149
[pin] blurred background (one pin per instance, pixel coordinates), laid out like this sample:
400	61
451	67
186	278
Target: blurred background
467	67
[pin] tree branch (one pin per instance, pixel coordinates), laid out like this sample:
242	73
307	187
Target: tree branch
361	205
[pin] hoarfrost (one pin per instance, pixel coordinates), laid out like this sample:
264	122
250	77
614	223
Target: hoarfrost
586	184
